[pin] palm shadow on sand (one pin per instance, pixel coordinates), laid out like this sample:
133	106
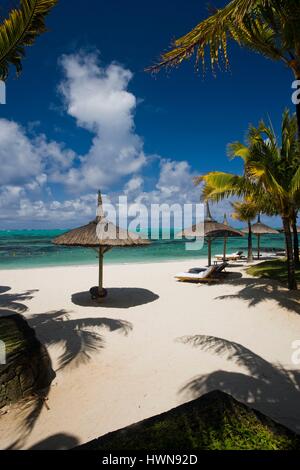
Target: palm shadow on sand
123	297
30	408
270	388
79	338
257	290
11	301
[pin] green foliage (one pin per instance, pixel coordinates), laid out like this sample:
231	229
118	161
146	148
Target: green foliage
275	269
21	29
269	27
271	170
218	185
246	210
213	422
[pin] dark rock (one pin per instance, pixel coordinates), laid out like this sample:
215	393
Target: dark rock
215	421
28	366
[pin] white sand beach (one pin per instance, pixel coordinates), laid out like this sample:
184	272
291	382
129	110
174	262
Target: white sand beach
141	352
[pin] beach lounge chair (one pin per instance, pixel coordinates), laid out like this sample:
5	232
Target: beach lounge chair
219	269
230	257
208	275
211	274
196	270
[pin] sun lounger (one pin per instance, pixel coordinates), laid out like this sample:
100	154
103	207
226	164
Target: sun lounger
196	270
208	275
220	268
211	274
230	257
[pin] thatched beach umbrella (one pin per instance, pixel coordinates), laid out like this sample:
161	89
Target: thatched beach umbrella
260	229
102	235
211	230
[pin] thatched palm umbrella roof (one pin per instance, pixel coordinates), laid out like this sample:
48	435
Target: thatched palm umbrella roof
210	229
101	234
260	229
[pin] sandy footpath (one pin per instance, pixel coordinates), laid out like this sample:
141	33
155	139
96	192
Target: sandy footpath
154	344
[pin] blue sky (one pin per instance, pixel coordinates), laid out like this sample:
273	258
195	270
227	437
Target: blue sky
172	126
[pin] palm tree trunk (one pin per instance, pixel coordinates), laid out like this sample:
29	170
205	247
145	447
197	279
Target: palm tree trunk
296	240
297	77
100	284
209	250
292	283
224	249
250	250
295	233
298	116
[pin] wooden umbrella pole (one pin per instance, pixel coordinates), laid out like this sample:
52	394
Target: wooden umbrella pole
258	246
225	248
101	255
209	251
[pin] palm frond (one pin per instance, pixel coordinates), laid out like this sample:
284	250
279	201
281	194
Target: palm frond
219	185
237	149
21	29
245	210
266	178
268	27
271	178
295	184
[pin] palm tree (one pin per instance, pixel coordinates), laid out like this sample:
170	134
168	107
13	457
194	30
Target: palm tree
277	169
295	232
21	29
246	211
269	27
271	177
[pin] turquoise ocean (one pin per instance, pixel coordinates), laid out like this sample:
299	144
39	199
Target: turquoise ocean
34	248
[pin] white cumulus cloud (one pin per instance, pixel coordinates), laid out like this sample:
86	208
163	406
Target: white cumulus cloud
97	97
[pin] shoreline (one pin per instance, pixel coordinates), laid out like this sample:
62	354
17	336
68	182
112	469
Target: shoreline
264	257
89	265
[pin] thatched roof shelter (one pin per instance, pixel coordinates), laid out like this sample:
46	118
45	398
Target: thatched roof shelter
102	235
210	229
260	229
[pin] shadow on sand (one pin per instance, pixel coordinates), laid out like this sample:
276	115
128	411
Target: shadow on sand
57	442
124	297
12	301
79	339
256	290
268	387
30	408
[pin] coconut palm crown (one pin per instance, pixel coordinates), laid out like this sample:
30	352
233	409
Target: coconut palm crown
271	176
270	27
